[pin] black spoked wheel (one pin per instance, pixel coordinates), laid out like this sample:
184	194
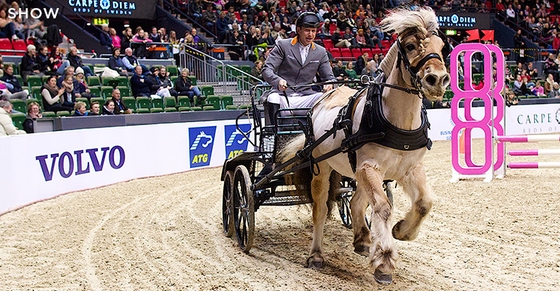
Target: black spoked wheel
343	188
227	205
243	208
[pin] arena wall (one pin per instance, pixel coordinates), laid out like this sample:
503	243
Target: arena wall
43	165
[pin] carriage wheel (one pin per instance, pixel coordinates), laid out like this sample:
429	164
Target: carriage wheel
227	204
243	208
343	204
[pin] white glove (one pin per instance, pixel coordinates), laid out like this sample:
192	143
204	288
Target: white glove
282	85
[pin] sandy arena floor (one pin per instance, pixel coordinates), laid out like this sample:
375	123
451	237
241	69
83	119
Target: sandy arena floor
165	234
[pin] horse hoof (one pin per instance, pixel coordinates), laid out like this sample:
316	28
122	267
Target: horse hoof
381	278
396	230
362	250
314	263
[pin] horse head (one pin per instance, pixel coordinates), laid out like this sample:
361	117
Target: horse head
421	50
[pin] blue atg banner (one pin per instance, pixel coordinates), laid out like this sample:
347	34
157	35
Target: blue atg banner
236	142
201	142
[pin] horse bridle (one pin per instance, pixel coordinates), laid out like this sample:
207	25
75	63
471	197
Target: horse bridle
413	70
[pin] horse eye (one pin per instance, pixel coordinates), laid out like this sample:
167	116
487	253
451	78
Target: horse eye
410	47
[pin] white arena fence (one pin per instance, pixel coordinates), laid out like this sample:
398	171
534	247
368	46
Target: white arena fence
40	166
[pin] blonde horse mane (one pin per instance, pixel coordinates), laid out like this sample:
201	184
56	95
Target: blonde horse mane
424	20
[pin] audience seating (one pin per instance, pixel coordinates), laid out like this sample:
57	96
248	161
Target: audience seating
19	105
214	101
18	119
129	102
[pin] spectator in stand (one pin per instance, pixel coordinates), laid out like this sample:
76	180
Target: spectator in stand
130	61
555	92
195	10
165	81
81	88
51	94
209	18
14	89
120	107
175	46
33	113
184	86
115	39
349	37
126	39
163	34
196	39
350	72
108	107
222	27
105	37
256	71
6	124
156	88
520	86
548	82
7	28
550	66
370	70
94	109
80	109
29	64
339	71
361	63
74	60
538	90
338	41
34	27
139	85
69	97
237	42
116	63
70	71
154	35
48	65
531	71
140	41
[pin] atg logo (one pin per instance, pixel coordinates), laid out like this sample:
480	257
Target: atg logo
36	13
236	142
201	141
78	161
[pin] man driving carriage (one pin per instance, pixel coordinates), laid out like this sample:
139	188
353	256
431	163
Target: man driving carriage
292	65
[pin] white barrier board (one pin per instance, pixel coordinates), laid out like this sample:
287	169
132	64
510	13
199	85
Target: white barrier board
43	165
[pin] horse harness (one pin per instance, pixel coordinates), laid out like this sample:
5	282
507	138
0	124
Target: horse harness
374	127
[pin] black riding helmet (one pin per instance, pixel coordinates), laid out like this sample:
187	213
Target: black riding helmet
308	20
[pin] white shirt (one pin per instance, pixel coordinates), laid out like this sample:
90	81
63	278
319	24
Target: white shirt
304	51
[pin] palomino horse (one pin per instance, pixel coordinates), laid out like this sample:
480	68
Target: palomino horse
414	67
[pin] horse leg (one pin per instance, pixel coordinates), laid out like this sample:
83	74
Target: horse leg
358	205
319	192
414	185
383	251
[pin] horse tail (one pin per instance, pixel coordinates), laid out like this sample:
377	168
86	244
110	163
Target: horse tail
301	178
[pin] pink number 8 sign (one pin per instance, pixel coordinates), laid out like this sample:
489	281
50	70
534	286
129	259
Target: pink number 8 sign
489	91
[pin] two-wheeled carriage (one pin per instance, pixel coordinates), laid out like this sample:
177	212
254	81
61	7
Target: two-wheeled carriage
255	178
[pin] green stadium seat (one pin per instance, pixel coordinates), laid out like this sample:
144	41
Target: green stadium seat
95	91
185	108
143	103
113	82
106	92
172	69
157	103
62	113
156	110
169	102
199	101
93	81
18	119
49	114
170	109
183	101
20	79
124	90
227	103
174	79
123	81
36	93
19	105
214	102
193	80
207	90
209	107
34	81
98	100
130	102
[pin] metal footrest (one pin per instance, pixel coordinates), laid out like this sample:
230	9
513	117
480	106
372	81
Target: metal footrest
285	198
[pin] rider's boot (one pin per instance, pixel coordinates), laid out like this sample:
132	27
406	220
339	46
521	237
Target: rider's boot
270	110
